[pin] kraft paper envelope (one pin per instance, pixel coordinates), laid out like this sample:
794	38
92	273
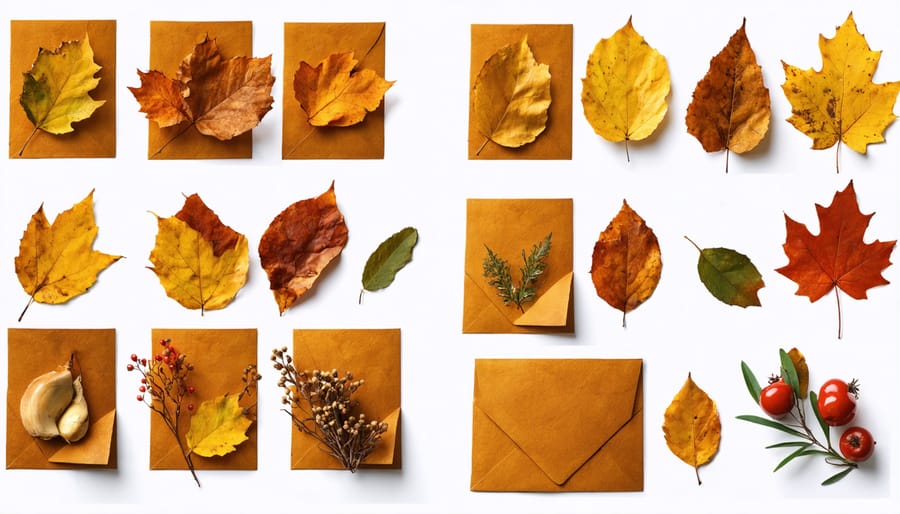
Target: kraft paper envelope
551	45
313	42
369	354
219	357
508	227
33	352
557	425
170	43
92	137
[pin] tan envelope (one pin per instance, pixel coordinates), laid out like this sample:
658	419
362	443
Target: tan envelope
93	137
170	43
312	42
557	425
508	227
219	357
551	45
369	354
33	352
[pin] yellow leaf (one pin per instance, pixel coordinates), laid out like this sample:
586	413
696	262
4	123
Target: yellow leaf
692	426
840	102
200	262
511	97
624	92
57	262
55	91
217	427
802	369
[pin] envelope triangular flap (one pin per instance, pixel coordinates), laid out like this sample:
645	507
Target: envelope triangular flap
560	412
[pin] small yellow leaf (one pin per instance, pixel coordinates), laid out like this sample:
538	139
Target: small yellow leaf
692	426
218	427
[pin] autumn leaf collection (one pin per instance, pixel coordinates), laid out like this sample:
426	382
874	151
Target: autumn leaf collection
204	93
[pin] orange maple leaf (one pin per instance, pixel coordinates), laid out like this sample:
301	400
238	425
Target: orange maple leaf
837	257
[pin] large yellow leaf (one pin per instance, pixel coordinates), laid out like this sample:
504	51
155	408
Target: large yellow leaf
840	102
55	93
511	97
624	93
218	427
57	262
200	262
692	426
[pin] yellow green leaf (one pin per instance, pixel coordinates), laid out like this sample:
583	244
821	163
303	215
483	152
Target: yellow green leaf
218	427
692	426
624	92
802	370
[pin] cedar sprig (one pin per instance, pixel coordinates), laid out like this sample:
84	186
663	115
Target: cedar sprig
497	271
321	407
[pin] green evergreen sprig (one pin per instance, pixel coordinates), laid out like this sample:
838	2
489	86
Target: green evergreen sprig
497	271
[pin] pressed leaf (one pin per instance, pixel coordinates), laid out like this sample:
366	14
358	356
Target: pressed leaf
624	92
692	426
217	427
57	262
802	369
390	257
837	258
56	91
299	243
840	102
730	109
626	263
730	276
511	96
335	93
200	262
750	380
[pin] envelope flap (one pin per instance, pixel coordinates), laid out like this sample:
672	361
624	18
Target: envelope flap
578	403
552	308
94	449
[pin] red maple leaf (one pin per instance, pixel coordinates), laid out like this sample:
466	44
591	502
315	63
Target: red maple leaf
837	257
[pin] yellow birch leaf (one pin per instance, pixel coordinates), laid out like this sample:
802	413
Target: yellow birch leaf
624	92
840	102
218	427
692	426
511	97
57	261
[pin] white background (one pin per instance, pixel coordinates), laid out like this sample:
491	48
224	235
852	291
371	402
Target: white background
424	181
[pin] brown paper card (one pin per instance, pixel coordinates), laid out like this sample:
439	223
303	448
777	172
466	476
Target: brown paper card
219	357
33	352
369	354
509	226
170	43
93	137
313	42
582	429
551	45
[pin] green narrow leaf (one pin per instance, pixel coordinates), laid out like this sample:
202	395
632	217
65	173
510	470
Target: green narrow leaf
752	383
793	455
814	402
837	476
729	276
390	256
789	372
771	424
789	444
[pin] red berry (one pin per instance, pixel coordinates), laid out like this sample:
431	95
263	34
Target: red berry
158	357
133	358
130	367
777	399
857	444
142	389
140	397
143	362
191	389
144	380
190	406
164	342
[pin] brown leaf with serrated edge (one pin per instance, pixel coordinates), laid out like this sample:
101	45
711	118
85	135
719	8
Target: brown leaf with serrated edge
730	109
335	93
692	426
626	263
299	243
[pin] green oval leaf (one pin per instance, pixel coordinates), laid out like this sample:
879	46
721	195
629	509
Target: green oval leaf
390	256
217	427
826	429
789	372
837	476
730	276
750	380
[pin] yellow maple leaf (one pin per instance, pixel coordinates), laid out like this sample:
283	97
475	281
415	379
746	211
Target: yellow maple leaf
624	92
55	92
840	102
692	426
57	262
511	97
200	262
217	427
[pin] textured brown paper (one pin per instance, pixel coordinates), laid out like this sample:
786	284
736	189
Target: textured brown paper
33	352
93	137
369	354
312	42
508	227
551	45
219	357
170	43
582	429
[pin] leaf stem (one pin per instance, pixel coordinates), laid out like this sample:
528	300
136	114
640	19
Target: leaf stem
28	140
837	297
173	138
837	157
727	153
480	148
312	128
627	155
693	243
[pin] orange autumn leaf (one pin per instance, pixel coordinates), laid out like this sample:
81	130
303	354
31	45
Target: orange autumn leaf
730	109
837	258
692	426
300	243
626	263
335	93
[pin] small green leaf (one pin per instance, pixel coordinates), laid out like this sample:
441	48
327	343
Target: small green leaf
771	424
752	383
390	256
217	427
789	372
793	455
730	276
814	402
837	476
789	444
